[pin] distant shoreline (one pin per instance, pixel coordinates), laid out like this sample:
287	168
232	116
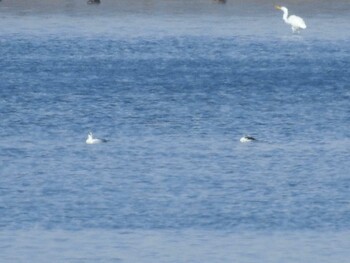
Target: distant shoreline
234	7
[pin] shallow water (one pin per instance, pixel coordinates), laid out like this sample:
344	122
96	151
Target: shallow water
173	92
174	246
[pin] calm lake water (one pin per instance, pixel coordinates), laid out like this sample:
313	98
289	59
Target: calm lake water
172	87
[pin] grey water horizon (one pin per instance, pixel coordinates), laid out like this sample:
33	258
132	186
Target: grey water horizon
173	86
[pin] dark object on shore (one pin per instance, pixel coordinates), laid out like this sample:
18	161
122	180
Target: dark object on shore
91	2
220	1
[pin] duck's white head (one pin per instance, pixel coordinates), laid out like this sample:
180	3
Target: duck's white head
90	138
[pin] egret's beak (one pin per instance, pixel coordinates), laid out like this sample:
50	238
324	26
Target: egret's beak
278	7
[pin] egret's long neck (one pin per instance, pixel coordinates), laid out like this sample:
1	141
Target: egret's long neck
285	15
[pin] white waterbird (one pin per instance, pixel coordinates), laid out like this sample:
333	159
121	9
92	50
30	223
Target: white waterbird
91	140
247	139
296	22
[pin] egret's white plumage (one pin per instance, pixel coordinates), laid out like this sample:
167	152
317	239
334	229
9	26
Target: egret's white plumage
91	140
296	22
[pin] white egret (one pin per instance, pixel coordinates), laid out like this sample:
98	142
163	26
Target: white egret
296	22
91	140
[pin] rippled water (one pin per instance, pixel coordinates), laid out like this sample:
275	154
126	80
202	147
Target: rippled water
173	92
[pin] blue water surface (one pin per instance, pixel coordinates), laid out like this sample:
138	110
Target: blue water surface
173	95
